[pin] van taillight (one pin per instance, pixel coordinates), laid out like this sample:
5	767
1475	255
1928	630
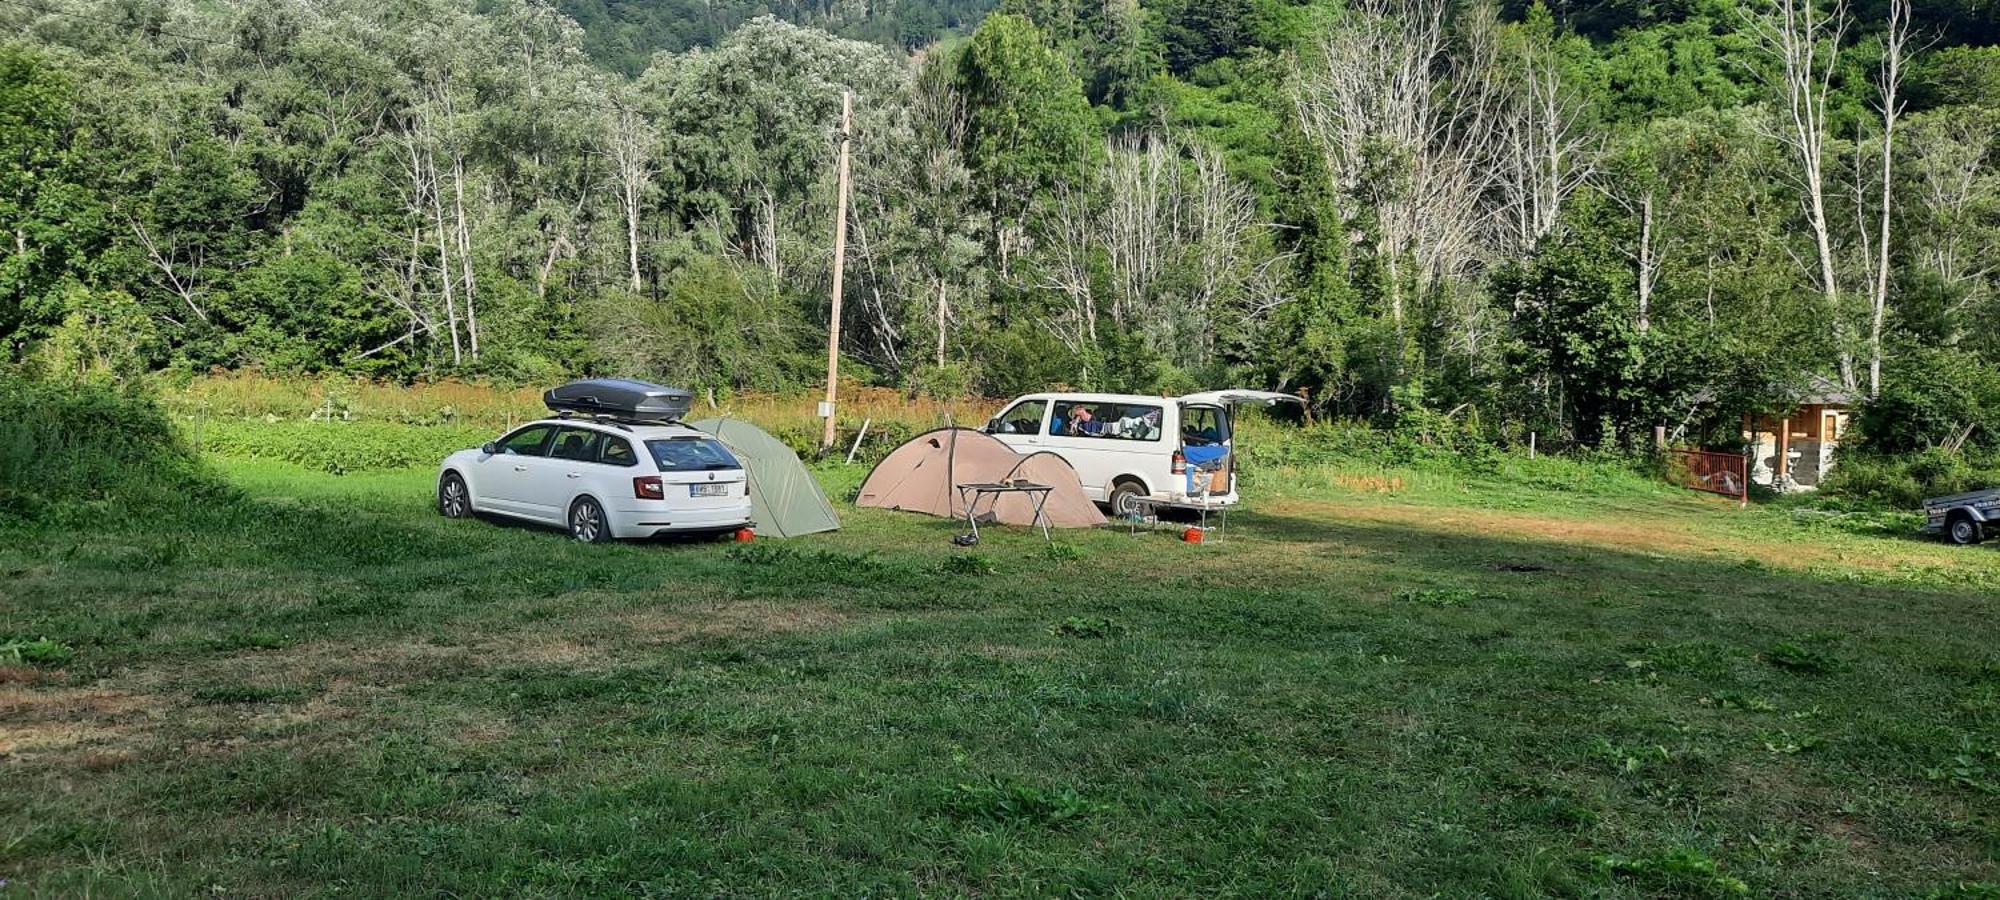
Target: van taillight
648	487
1180	462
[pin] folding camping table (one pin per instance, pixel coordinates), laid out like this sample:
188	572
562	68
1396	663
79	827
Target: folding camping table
1147	510
970	494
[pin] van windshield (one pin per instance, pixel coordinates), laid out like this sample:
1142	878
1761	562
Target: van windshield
1202	425
691	454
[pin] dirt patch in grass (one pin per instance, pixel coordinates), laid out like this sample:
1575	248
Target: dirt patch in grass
22	675
1647	534
37	723
673	624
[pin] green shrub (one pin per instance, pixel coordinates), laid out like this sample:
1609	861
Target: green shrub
1019	803
68	445
1931	396
38	652
1903	481
1086	627
341	447
1682	870
1795	658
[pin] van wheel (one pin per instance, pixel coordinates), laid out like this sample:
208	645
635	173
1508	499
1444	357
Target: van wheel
1963	531
1125	498
587	523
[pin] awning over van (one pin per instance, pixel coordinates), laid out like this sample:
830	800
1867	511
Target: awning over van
1236	396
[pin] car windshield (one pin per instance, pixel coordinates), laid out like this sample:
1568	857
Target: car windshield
691	455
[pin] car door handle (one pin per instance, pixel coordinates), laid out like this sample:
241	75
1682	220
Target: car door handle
520	468
574	475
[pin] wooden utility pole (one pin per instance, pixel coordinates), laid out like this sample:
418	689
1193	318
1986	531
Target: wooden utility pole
839	267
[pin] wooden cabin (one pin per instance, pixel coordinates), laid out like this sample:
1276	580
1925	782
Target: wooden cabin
1794	450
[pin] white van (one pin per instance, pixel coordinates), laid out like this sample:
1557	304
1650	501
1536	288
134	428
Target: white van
1127	446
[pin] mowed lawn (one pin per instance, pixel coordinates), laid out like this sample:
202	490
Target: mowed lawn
327	689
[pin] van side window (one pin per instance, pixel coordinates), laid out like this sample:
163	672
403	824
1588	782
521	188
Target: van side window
1024	418
1122	421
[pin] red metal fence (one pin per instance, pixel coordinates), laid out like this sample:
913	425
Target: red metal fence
1727	474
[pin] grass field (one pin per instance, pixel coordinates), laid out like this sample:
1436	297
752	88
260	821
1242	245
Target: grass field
1543	680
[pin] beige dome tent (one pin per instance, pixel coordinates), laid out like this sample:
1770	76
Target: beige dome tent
785	499
923	474
1067	507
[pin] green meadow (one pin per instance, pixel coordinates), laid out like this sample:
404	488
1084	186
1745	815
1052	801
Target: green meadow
1546	679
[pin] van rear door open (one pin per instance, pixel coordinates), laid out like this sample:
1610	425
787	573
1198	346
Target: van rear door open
1205	424
1222	403
1235	396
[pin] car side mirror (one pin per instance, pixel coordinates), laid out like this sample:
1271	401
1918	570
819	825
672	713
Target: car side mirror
992	425
489	448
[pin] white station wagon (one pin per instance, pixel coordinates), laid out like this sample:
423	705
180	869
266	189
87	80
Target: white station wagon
1128	446
601	477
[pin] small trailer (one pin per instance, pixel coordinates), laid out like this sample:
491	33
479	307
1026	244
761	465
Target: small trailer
1962	518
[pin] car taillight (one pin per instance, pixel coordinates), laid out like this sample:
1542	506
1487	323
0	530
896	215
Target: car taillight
1180	462
649	487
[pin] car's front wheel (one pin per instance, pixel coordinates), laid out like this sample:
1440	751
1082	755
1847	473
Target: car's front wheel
587	522
1964	532
454	501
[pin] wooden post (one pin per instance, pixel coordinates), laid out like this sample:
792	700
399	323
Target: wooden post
857	440
1784	449
1531	445
1659	437
839	268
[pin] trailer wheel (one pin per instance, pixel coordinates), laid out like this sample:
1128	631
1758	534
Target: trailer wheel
1963	531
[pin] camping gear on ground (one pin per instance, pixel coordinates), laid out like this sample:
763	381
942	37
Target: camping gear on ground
1146	511
745	535
620	399
1204	461
785	499
924	473
1038	494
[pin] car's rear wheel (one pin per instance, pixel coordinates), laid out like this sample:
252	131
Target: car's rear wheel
1964	531
1124	500
587	523
454	501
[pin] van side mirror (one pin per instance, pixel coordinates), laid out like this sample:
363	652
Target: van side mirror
489	448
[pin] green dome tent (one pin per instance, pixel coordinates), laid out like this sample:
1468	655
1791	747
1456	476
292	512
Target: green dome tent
785	499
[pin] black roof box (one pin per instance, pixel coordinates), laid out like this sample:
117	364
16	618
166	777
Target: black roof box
620	398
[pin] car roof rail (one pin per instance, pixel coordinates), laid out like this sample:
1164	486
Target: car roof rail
595	419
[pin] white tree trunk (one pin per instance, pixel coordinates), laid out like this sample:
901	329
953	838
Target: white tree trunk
1894	54
1806	47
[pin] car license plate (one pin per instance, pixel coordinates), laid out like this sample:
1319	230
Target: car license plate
708	490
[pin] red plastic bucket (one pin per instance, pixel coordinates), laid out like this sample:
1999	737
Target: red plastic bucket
1191	535
745	535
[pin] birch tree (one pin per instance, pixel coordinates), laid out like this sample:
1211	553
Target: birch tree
632	146
1545	153
1802	45
1954	187
1403	125
1888	83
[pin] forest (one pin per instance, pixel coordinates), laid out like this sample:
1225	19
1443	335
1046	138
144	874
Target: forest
1573	220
